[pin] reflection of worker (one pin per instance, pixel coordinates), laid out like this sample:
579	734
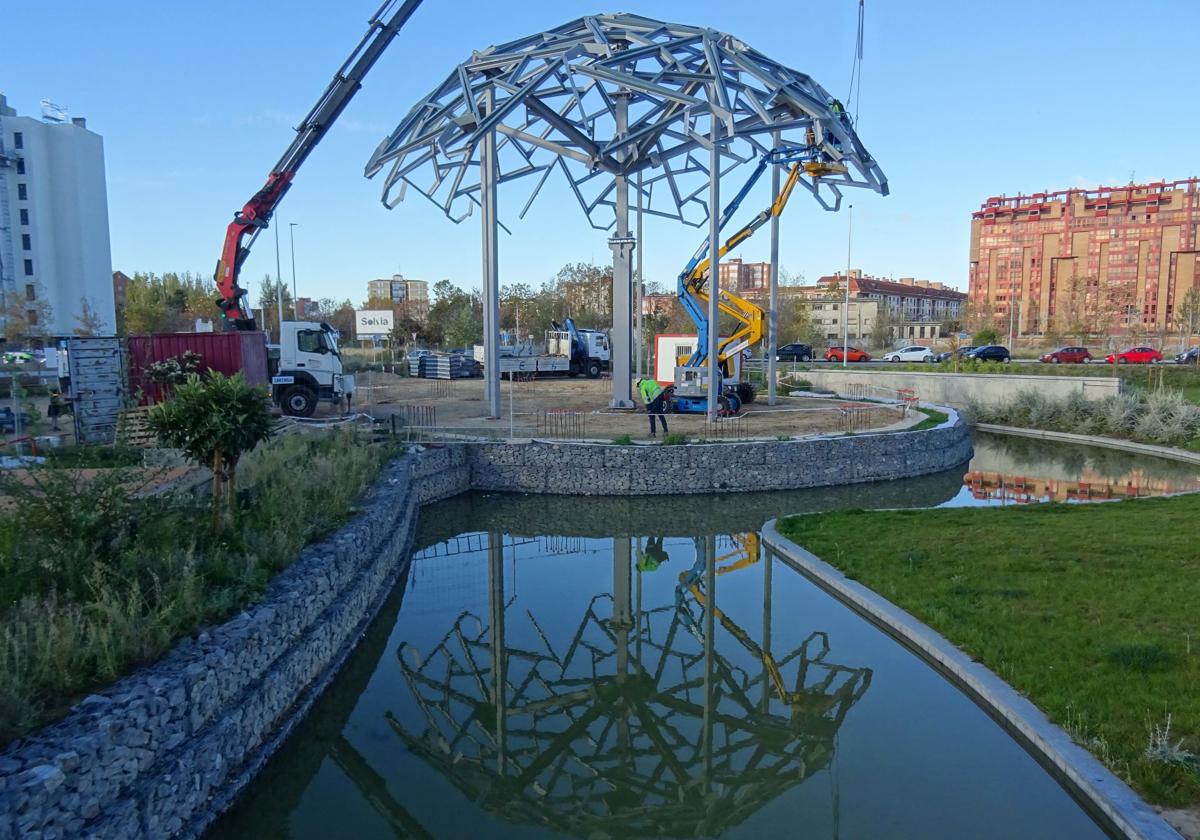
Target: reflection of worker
654	397
653	555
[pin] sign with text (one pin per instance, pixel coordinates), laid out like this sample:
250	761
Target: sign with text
372	322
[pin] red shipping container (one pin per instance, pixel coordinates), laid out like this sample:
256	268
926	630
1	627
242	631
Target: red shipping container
224	352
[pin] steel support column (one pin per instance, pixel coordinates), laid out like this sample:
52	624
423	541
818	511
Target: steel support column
622	244
495	549
710	631
714	267
773	309
639	289
491	267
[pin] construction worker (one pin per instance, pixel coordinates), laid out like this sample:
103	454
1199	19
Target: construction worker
56	409
654	397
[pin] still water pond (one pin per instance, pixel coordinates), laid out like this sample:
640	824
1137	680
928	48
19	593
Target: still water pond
554	667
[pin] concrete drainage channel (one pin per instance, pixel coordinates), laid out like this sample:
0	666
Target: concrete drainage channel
164	751
1118	809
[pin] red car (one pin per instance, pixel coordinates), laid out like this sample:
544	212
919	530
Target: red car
853	354
1135	356
1068	356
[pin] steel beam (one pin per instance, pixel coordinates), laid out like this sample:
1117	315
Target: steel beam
773	308
622	244
491	267
714	267
641	285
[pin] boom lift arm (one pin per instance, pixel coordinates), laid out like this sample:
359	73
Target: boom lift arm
694	277
248	222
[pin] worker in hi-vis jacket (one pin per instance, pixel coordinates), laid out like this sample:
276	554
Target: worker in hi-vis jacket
655	398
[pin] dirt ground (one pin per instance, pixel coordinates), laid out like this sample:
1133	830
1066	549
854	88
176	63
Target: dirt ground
577	408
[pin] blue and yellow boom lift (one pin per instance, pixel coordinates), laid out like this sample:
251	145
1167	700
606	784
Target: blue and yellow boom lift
691	395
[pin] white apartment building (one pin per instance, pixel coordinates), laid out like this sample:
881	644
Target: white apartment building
54	242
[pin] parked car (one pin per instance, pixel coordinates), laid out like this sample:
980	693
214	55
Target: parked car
945	355
852	354
7	426
912	353
990	353
1068	356
794	352
1188	357
1135	356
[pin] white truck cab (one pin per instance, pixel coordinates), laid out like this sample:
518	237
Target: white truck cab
308	369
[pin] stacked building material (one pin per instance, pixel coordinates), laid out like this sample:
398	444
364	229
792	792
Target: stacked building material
450	366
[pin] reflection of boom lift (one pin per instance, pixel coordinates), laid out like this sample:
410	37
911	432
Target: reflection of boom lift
691	379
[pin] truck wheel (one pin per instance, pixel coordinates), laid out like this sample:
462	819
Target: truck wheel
593	369
299	401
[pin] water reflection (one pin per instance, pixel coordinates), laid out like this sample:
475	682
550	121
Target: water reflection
1016	470
645	720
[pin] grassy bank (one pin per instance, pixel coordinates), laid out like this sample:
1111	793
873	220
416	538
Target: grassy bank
1160	417
96	580
1091	611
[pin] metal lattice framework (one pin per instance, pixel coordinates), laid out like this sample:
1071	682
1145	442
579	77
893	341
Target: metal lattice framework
612	734
558	100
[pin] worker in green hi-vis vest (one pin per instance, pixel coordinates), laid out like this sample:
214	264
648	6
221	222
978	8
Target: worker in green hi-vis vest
654	397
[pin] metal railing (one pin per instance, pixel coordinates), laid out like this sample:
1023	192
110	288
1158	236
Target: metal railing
562	423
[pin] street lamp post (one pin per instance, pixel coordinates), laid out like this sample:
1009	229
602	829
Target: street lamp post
292	232
278	286
846	303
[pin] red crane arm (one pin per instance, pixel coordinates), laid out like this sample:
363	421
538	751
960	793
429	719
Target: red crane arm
256	215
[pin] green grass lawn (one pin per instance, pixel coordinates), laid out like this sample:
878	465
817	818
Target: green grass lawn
1092	611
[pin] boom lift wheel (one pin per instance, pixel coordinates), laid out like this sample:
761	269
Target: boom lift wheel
593	369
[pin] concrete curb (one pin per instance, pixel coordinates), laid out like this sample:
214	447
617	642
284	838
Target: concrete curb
1117	808
1094	440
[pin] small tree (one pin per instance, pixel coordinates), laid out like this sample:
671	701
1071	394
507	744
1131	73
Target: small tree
987	335
89	321
215	422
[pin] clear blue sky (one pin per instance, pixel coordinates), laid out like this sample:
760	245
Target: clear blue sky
960	101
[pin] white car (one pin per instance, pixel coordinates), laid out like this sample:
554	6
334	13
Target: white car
912	353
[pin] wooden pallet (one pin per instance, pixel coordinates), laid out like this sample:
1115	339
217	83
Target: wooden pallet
132	429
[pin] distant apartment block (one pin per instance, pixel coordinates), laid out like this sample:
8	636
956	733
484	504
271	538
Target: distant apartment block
409	298
54	242
916	309
746	279
1135	246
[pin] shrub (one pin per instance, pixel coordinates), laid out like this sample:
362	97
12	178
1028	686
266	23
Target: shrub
96	578
623	440
674	439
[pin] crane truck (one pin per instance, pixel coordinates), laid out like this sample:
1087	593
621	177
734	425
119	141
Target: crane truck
307	365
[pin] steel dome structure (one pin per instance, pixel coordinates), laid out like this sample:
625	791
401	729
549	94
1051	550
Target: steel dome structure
615	102
554	98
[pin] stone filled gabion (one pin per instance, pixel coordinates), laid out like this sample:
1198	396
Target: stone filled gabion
164	751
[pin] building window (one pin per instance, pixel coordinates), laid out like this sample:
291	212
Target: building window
22	192
26	242
30	292
20	166
28	268
31	316
24	217
18	140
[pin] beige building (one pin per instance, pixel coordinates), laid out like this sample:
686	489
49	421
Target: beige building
828	314
409	298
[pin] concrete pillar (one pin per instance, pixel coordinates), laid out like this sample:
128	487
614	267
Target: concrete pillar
714	267
773	306
622	244
491	267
